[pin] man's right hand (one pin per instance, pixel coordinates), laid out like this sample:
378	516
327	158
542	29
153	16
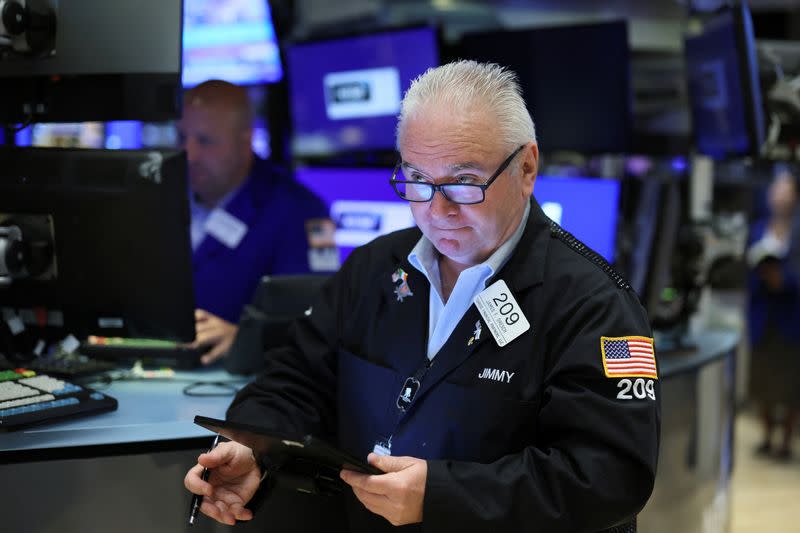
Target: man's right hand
214	333
233	480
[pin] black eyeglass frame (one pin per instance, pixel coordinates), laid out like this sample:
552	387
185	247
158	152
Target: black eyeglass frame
442	187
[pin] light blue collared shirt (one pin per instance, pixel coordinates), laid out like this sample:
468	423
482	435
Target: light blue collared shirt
445	317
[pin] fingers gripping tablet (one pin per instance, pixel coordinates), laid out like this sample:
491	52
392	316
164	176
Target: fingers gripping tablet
310	457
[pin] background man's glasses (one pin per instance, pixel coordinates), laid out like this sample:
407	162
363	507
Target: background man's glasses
416	190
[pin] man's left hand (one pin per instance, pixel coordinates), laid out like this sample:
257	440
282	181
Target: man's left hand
396	495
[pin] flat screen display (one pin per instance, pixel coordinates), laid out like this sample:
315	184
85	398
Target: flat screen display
575	80
363	205
345	93
586	207
62	135
724	90
232	40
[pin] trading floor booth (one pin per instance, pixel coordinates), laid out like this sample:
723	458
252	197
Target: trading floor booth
123	470
108	242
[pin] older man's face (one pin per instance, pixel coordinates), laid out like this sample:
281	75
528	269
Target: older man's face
441	146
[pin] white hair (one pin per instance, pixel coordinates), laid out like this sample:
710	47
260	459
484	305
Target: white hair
467	84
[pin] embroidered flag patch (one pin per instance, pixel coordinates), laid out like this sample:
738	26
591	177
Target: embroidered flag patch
625	357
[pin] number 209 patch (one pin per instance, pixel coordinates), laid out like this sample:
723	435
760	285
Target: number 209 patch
639	388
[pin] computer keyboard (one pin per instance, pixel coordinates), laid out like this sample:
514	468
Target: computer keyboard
29	398
71	367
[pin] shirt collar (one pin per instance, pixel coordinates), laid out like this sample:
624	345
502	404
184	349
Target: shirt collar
424	256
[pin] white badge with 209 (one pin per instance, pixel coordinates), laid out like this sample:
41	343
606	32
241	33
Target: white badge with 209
502	313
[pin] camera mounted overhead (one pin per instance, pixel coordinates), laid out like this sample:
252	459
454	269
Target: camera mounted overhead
107	61
27	28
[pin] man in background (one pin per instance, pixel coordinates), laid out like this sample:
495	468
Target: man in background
773	314
249	216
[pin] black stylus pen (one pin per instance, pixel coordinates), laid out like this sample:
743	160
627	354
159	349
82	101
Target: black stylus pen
197	499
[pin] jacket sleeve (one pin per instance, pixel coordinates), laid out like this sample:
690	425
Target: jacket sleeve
593	461
296	391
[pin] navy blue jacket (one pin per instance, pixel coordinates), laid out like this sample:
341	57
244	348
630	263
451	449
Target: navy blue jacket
554	445
275	208
780	309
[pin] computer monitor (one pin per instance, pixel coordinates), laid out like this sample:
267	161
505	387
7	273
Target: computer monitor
724	89
265	321
232	41
109	61
119	135
362	203
123	135
345	93
656	220
586	207
97	242
63	135
575	80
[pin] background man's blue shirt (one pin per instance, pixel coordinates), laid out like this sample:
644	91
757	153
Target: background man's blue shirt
275	209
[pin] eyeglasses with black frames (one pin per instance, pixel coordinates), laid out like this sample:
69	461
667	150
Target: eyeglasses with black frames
467	189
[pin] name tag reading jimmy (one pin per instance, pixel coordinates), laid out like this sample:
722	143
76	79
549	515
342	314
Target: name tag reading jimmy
502	313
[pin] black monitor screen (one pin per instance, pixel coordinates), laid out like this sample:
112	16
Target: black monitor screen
575	79
655	224
724	90
345	93
109	60
96	242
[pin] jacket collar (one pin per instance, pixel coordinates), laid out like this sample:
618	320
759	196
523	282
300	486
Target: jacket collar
523	270
525	267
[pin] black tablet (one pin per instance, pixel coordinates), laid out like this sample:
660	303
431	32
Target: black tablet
266	442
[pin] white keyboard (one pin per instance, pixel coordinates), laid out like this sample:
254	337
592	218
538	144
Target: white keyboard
28	398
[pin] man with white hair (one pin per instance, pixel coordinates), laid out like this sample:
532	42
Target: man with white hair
498	372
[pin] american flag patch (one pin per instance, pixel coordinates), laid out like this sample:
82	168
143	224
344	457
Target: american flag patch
628	357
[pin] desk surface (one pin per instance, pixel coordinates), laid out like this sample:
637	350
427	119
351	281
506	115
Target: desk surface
157	412
149	411
711	345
